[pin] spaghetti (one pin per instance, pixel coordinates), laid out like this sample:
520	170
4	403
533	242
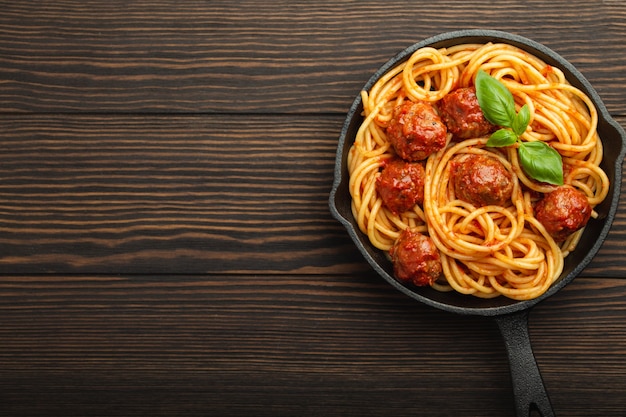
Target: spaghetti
490	250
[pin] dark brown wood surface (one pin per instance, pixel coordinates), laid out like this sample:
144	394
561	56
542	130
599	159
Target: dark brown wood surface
166	246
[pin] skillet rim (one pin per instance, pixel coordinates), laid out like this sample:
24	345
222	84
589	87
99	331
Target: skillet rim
481	307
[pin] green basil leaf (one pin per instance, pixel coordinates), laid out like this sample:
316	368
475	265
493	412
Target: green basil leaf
495	100
502	137
541	162
521	120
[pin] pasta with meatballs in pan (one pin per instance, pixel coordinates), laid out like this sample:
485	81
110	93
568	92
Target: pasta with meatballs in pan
476	168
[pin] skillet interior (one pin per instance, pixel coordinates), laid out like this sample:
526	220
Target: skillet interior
613	138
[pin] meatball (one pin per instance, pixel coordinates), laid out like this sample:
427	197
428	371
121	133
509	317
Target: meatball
401	185
415	259
416	131
563	211
463	116
481	180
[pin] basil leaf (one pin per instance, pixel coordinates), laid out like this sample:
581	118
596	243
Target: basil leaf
502	137
521	120
495	100
541	162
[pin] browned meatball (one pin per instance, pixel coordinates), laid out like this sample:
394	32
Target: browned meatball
415	259
481	180
401	185
416	131
563	211
462	115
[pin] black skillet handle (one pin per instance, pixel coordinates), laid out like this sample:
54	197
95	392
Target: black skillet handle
530	393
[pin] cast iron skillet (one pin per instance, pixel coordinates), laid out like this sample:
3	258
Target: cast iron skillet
510	315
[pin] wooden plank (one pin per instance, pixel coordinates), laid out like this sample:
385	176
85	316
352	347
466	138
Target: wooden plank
246	57
223	345
183	194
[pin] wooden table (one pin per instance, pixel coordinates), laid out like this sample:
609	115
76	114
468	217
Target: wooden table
166	247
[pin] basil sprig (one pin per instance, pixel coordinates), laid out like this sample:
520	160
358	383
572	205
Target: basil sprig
539	160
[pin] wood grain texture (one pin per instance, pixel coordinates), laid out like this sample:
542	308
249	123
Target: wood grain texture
184	194
178	195
342	345
263	57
